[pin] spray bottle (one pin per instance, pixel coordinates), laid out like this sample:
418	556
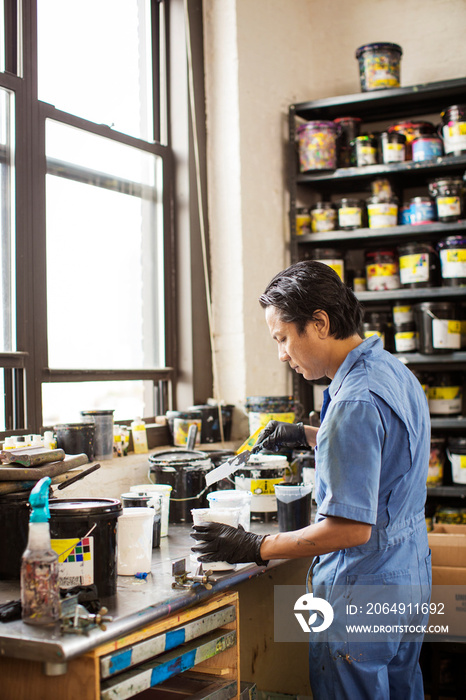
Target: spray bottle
40	594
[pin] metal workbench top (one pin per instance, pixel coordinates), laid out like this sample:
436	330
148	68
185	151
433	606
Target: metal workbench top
137	602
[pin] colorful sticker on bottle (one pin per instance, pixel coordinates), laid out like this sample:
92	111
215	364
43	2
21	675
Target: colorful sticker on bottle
448	206
453	263
454	136
264	487
394	152
382	215
402	314
349	216
381	276
75	561
405	341
414	268
446	334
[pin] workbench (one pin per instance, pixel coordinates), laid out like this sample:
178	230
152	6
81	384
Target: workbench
156	632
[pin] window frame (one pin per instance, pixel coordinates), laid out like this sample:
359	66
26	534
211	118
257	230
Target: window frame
26	370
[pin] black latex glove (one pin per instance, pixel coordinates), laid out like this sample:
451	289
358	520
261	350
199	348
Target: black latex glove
277	435
221	542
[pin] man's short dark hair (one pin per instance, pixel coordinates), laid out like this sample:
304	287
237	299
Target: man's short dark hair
309	286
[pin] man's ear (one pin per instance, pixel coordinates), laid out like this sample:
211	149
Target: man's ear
321	323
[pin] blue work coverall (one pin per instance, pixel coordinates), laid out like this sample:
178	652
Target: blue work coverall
372	456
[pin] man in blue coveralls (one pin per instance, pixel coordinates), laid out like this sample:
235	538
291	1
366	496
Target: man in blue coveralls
372	454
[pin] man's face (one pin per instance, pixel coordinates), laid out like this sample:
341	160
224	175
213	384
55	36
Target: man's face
307	353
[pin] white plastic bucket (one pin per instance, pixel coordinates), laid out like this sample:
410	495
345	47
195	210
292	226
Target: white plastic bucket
164	490
228	516
134	541
231	498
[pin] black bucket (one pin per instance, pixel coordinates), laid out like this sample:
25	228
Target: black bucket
184	471
83	532
14	525
76	438
210	430
429	313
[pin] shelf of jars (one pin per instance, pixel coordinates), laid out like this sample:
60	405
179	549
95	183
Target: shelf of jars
350	179
423	293
422	231
399	102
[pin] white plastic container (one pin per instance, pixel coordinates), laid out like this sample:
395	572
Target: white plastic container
232	498
134	541
164	490
228	516
139	435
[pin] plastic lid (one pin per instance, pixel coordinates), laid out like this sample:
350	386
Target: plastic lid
381	45
84	506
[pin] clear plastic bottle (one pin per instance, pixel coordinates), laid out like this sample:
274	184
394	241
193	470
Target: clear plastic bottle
138	431
40	594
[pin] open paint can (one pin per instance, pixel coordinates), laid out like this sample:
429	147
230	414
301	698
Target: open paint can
259	476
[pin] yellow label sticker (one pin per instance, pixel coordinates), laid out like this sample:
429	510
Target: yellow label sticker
264	487
444	393
454	327
456	255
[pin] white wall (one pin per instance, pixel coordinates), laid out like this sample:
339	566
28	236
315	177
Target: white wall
261	56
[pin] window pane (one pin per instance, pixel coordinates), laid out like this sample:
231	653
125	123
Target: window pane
7	224
94	60
63	402
104	254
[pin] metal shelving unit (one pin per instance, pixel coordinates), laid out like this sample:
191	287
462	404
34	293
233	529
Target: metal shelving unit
383	106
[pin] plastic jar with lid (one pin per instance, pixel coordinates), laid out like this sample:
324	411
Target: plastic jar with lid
405	336
418	265
347	129
323	217
349	213
392	147
412	130
448	195
333	258
379	65
382	212
317	141
452	251
445	394
303	221
421	211
382	271
364	150
454	129
439	327
426	147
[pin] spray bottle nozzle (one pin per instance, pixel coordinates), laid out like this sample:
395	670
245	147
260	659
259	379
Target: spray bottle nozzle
39	501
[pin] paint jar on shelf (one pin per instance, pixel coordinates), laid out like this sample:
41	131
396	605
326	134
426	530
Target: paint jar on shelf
392	147
448	194
426	147
379	65
317	146
364	150
382	212
436	461
323	217
453	129
347	130
405	337
438	326
331	257
418	265
421	211
303	221
452	251
350	214
412	130
382	270
445	394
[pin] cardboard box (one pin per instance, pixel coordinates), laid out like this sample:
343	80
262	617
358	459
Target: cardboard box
448	545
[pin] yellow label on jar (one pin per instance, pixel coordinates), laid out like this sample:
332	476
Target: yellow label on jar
264	487
444	393
412	261
369	334
405	335
401	309
456	255
462	461
458	129
454	327
441	201
378	270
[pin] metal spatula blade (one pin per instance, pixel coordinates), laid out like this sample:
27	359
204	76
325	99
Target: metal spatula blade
227	468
